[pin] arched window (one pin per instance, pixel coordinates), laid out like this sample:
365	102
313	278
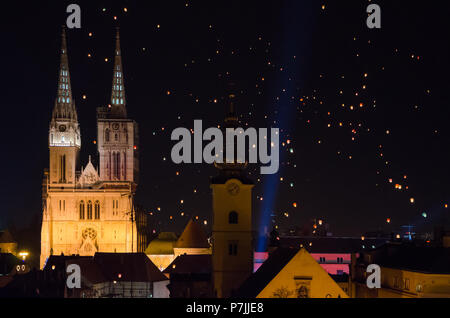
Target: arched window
81	210
116	137
233	217
107	135
97	210
89	210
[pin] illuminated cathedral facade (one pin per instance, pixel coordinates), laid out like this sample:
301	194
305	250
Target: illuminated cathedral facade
88	209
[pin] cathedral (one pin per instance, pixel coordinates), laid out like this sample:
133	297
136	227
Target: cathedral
88	209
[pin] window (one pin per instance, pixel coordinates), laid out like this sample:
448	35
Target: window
82	210
232	248
97	210
89	210
107	135
340	260
115	207
63	168
124	166
233	217
322	259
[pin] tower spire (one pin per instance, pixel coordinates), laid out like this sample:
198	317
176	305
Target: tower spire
118	101
64	103
64	128
231	118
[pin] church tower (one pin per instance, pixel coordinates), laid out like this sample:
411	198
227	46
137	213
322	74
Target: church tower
85	211
64	132
232	256
117	136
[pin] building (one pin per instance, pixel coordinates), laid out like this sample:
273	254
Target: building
7	243
290	273
167	247
232	256
91	209
190	277
407	271
108	275
334	254
160	250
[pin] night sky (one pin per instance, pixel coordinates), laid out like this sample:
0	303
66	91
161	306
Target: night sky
357	108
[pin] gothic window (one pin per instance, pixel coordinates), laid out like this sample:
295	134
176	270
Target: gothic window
63	168
97	210
82	210
89	210
107	135
124	166
117	165
233	217
116	137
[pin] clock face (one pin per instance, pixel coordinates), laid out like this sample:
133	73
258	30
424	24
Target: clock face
233	189
115	126
62	128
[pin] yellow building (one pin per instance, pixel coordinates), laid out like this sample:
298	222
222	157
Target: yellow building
232	257
7	243
406	272
160	250
290	273
88	211
163	250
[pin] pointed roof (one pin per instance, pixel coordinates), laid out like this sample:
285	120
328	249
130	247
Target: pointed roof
234	169
288	268
64	104
89	174
231	118
193	236
118	101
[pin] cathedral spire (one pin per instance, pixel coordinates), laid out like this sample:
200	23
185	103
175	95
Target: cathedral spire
118	101
64	128
64	104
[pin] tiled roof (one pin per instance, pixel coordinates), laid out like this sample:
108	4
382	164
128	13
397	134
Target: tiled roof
331	244
190	264
193	236
426	259
135	267
108	267
268	270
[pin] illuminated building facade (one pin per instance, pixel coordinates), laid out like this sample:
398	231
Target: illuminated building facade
91	210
